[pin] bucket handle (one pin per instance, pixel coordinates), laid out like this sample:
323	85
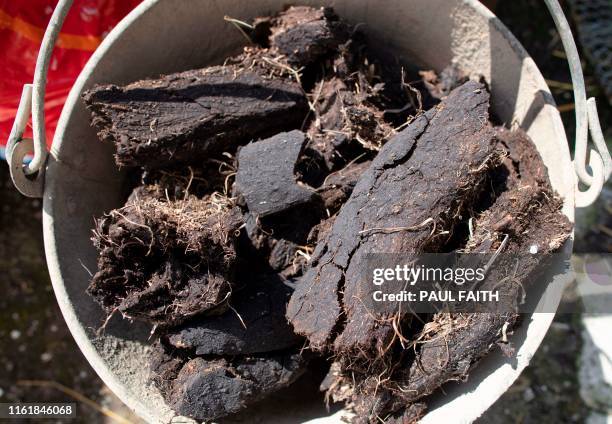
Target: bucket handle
587	119
29	178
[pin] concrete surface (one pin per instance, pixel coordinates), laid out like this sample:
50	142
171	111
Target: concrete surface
595	363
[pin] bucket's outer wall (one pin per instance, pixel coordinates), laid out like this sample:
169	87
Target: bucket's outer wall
162	36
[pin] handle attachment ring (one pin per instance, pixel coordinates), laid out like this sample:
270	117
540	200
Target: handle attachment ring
32	104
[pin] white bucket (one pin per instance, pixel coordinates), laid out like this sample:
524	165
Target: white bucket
162	36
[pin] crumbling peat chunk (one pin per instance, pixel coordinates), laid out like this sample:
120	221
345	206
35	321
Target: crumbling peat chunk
456	342
526	213
266	174
185	117
440	86
210	389
256	323
408	200
303	34
348	125
282	239
165	261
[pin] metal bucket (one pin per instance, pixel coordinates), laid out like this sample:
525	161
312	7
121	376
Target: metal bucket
81	181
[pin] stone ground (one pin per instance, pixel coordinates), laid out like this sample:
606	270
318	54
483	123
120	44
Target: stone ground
36	345
548	390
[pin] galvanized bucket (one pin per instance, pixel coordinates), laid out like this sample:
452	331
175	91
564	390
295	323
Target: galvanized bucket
78	179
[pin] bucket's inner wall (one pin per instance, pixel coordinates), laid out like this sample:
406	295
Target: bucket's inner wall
175	35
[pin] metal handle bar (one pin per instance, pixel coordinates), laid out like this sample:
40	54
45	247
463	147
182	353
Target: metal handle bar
29	179
587	119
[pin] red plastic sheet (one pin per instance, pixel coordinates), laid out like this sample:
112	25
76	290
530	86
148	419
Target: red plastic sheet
22	25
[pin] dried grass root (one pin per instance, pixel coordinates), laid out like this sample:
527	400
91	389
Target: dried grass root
165	261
